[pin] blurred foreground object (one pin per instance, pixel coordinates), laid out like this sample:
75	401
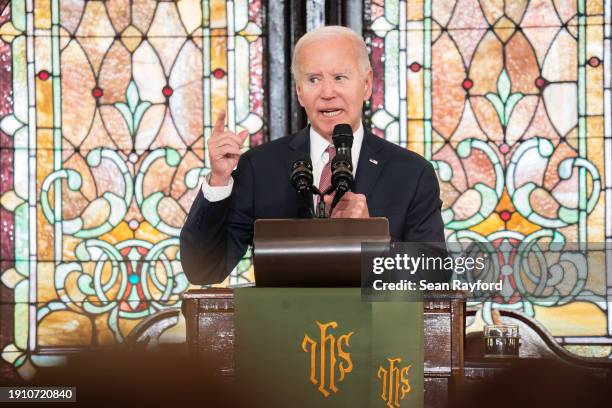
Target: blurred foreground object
137	378
541	384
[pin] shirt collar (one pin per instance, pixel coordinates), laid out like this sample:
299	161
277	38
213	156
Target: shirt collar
318	144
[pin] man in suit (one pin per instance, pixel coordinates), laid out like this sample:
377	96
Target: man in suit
333	79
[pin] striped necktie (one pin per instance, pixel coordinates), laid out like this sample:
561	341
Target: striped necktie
325	180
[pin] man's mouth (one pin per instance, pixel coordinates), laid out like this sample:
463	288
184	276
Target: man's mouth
330	113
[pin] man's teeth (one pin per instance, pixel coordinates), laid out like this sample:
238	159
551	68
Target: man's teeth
331	113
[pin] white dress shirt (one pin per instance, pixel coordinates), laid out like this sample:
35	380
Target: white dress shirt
318	156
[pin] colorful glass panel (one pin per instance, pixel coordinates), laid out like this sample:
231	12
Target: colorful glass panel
105	112
511	103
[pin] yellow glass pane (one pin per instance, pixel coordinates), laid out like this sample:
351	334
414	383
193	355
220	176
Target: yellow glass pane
415	94
45	275
127	325
64	328
42	14
595	92
414	10
574	319
149	233
45	245
492	224
44	103
415	136
594	7
104	334
218	18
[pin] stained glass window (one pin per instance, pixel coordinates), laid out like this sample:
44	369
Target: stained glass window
511	103
105	111
107	105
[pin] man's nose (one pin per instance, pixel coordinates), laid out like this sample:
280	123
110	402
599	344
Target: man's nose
328	90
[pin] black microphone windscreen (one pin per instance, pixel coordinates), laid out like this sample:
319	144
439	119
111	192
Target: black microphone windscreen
343	135
343	129
301	172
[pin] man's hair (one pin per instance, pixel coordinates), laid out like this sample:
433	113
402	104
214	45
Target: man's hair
322	33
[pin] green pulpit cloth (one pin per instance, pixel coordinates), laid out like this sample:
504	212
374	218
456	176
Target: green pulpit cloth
325	347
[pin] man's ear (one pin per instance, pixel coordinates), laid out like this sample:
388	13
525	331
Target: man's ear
368	85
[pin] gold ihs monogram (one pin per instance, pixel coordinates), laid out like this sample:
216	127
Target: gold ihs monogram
333	361
394	382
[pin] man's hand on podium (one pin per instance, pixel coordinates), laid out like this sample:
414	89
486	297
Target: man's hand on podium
351	205
224	149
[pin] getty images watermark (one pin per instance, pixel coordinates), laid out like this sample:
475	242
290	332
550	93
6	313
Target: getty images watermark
420	265
545	272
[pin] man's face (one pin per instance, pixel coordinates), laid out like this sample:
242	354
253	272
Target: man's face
330	85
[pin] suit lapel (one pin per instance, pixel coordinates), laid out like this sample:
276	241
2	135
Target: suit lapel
370	164
300	143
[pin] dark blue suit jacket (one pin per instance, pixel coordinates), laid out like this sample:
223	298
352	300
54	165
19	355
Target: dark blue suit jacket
398	184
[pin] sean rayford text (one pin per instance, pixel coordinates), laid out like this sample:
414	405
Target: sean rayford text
405	285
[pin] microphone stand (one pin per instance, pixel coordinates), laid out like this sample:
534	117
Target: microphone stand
322	210
322	213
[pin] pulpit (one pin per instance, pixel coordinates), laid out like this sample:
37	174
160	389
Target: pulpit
209	315
324	254
334	246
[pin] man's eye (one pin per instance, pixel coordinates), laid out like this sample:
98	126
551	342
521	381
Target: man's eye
313	80
340	77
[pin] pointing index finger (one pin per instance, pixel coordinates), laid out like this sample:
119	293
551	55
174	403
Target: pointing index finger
220	123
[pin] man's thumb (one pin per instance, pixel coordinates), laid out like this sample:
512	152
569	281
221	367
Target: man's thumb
243	135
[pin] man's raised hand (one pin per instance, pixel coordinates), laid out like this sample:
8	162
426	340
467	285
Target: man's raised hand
224	149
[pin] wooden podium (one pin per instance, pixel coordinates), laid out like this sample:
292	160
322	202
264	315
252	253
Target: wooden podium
209	315
324	253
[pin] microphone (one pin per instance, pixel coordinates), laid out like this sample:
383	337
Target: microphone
301	173
342	174
343	139
342	164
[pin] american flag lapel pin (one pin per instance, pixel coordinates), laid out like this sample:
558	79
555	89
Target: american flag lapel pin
373	161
